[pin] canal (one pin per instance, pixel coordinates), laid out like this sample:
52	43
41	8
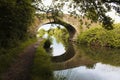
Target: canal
79	62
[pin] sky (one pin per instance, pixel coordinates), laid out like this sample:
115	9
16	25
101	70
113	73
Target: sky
112	13
47	2
48	26
114	16
98	72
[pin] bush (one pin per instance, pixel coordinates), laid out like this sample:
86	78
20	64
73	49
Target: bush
101	37
15	18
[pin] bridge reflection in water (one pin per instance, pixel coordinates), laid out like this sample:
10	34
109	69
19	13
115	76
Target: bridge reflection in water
86	63
89	64
72	58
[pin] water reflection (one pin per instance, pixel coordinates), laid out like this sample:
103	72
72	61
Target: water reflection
78	58
79	62
58	51
104	55
68	54
90	63
98	72
58	36
58	48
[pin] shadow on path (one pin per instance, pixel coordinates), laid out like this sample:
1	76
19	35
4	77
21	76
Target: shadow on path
20	69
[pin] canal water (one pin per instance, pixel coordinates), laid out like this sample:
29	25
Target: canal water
78	62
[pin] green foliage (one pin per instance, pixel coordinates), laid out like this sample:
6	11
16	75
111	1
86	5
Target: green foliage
102	54
42	67
61	35
94	10
59	32
40	33
15	18
101	37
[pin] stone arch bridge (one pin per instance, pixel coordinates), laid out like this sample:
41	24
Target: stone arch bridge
71	23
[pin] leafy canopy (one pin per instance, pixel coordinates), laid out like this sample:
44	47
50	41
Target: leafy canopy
15	18
92	9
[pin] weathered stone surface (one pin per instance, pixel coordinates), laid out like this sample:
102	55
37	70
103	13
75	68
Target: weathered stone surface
72	24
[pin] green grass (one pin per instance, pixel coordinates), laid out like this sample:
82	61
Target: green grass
7	56
101	37
42	67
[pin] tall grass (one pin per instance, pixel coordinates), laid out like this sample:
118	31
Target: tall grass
42	67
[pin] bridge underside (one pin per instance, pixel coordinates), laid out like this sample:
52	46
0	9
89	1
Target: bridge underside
71	30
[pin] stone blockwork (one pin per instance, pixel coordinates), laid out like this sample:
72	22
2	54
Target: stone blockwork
73	24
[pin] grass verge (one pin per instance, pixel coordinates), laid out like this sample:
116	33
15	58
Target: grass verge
42	67
7	56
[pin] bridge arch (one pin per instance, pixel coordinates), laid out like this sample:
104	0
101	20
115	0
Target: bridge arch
71	30
71	23
68	22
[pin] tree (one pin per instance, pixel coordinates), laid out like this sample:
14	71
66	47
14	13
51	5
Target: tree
15	18
96	9
92	9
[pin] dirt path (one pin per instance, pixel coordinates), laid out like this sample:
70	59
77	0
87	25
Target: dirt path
20	69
